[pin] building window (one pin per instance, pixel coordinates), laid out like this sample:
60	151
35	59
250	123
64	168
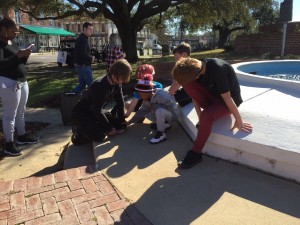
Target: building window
18	16
42	22
53	41
78	27
43	41
103	30
51	23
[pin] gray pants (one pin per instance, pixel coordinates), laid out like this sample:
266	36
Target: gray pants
162	115
14	98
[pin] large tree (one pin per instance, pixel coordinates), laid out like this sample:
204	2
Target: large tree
224	16
129	16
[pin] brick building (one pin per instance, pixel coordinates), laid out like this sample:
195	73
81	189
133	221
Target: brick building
45	34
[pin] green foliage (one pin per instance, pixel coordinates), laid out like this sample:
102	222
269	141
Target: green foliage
268	55
226	16
46	83
292	56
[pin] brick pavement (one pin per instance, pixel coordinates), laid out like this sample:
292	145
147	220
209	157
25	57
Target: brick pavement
72	196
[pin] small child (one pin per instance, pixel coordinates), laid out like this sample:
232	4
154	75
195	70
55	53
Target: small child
136	102
158	106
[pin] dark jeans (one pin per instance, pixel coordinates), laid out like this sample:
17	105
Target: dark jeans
85	77
90	129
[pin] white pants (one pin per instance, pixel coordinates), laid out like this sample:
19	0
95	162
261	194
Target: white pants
14	98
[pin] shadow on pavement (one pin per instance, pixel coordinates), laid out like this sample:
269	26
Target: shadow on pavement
211	191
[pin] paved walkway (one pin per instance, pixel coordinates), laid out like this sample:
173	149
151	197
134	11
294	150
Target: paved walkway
72	196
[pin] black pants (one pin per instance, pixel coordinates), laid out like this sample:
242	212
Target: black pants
182	97
91	130
88	129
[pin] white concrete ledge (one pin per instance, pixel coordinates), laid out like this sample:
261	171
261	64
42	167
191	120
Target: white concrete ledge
274	144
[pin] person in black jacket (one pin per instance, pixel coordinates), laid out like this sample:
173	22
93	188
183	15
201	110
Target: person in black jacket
83	58
14	88
91	122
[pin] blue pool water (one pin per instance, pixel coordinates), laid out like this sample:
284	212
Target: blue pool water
289	70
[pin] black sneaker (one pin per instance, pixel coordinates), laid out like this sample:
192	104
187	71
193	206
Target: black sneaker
11	149
77	138
153	126
159	137
191	159
26	139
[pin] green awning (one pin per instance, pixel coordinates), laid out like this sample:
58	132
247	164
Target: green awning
47	30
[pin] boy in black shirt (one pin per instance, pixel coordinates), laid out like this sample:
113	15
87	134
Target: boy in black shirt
89	117
215	90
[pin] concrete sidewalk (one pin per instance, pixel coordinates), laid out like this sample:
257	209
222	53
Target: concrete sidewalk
213	192
33	191
144	180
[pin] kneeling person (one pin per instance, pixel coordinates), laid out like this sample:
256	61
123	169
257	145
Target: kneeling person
91	122
158	106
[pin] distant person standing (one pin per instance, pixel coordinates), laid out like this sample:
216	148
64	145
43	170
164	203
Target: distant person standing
114	50
83	58
14	88
183	50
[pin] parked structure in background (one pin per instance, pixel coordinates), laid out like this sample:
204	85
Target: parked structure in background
45	34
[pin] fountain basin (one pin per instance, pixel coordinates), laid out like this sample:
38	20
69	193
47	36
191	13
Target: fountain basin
267	73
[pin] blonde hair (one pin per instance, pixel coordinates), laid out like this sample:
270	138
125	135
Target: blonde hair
186	70
114	40
121	69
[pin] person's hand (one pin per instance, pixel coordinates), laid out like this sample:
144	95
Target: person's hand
120	131
112	132
24	53
240	125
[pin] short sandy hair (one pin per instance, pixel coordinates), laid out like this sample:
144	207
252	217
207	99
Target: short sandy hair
183	47
186	70
121	69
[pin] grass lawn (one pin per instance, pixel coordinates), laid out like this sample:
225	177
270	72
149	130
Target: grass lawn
47	82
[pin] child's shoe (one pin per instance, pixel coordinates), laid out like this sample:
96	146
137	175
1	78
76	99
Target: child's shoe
159	137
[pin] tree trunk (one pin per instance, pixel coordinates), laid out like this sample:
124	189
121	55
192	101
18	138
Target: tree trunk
223	37
128	35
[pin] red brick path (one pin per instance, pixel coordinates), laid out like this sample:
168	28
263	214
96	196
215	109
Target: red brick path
72	196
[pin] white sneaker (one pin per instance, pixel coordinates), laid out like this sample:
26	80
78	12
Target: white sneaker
159	137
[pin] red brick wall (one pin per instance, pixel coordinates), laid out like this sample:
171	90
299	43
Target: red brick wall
25	19
269	41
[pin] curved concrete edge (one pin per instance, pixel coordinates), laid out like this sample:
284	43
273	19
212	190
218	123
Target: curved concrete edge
266	148
261	80
83	155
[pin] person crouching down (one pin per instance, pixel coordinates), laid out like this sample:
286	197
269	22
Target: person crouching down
158	106
91	121
215	90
